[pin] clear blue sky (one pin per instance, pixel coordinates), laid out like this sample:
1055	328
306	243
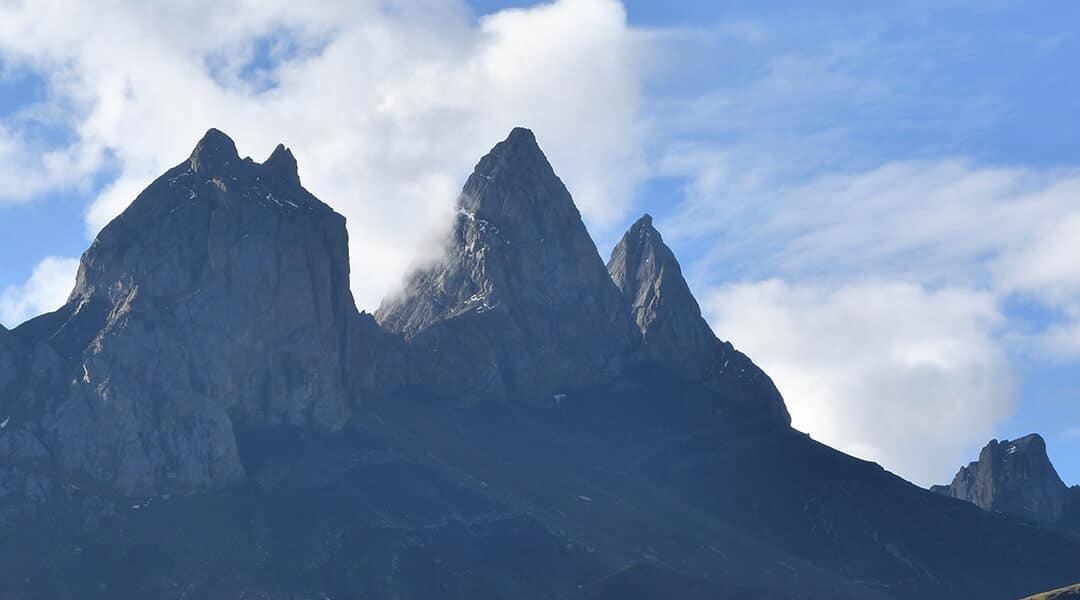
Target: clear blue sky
878	203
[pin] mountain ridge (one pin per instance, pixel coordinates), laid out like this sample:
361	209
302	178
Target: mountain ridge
209	415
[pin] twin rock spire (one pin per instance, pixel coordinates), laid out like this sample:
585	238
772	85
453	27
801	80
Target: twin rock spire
524	288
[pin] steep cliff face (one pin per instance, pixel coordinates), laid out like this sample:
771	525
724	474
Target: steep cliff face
1015	478
675	335
219	297
522	305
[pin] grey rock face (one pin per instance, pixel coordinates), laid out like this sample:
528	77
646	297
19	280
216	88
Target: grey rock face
1015	478
675	335
522	304
219	297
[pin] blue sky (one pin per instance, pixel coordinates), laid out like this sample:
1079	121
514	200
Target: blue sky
879	204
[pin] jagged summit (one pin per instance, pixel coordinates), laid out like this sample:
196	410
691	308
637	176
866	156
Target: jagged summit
215	156
1014	477
226	284
520	260
675	334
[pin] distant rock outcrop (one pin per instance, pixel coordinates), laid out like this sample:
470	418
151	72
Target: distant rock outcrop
522	305
675	335
1017	478
219	297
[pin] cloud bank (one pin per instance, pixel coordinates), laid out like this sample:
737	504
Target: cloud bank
386	105
888	372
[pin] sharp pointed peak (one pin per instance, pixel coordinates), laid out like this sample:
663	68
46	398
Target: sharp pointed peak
515	183
640	236
644	230
213	149
282	164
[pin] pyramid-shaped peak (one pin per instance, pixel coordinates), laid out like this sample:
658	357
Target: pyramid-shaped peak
518	156
675	334
521	272
642	263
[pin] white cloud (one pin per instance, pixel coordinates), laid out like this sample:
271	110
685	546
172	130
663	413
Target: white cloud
386	105
931	221
28	168
837	332
46	290
891	372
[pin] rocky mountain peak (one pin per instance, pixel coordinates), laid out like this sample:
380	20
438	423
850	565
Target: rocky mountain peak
643	266
1014	477
214	150
675	334
522	285
219	297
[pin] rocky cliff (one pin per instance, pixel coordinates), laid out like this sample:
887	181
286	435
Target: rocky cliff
521	306
1016	477
220	296
675	335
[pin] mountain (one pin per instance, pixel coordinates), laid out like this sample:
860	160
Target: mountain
221	295
1017	478
522	305
210	416
675	335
